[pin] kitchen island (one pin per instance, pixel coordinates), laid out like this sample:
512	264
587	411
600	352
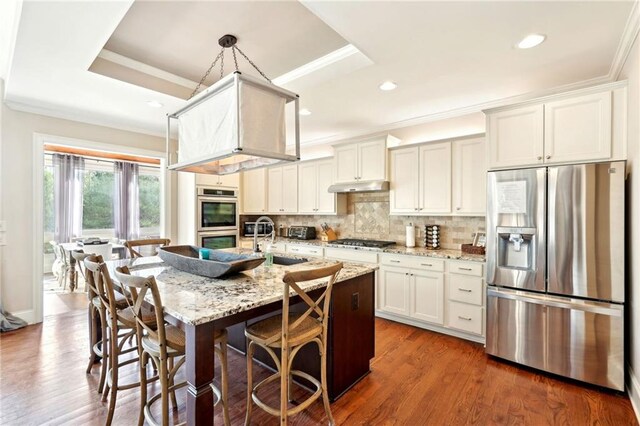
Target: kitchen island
200	305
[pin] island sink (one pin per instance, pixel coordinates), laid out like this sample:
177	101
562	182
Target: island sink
286	261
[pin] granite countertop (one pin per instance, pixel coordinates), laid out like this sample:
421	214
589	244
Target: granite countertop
394	249
194	299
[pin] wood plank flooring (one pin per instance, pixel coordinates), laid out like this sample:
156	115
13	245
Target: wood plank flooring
418	378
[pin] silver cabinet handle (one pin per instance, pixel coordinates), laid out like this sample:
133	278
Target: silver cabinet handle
426	264
457	208
466	290
548	157
420	209
464	318
539	157
464	269
394	261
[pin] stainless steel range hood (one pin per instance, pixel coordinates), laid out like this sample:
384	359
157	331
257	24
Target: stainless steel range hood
370	186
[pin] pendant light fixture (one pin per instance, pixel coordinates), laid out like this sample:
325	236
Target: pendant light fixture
238	123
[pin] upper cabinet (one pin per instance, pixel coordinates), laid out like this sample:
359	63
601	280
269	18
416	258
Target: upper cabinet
225	181
469	177
314	179
581	126
254	191
362	161
439	178
282	194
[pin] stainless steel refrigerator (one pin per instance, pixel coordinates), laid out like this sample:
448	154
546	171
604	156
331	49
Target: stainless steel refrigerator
555	270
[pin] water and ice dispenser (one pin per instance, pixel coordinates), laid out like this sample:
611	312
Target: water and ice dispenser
516	248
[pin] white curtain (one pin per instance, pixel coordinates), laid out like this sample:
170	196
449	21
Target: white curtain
126	211
67	196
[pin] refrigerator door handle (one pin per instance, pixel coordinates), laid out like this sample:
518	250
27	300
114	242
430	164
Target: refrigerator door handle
557	302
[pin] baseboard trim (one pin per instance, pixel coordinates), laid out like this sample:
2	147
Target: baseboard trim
430	327
29	316
633	389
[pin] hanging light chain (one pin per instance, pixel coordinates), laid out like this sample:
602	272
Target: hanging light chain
252	64
206	74
220	58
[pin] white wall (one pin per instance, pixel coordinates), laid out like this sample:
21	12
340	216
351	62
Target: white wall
631	72
16	182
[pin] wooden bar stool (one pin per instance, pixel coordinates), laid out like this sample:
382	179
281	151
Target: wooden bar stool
121	328
132	244
163	344
290	333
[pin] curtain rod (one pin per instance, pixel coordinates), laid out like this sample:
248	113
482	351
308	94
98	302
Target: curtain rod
105	160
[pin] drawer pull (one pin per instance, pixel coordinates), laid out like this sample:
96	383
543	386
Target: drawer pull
464	269
426	264
394	261
464	318
466	290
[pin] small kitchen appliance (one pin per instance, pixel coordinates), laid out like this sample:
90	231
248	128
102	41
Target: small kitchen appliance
352	242
302	232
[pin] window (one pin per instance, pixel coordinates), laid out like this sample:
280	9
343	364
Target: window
97	199
149	201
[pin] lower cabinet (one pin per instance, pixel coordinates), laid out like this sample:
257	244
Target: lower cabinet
443	295
413	293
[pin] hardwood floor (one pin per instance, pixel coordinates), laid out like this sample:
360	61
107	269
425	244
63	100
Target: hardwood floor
418	378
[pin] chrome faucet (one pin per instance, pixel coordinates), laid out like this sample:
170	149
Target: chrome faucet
267	219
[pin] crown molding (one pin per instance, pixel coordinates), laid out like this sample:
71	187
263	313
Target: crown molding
629	34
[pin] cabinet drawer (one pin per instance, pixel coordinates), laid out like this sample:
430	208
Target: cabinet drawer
350	255
465	288
306	250
417	262
466	268
465	317
279	247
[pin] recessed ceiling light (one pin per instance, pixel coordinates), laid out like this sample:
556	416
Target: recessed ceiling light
304	111
532	40
154	104
388	85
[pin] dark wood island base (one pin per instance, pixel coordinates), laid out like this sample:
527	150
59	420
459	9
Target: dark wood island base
351	341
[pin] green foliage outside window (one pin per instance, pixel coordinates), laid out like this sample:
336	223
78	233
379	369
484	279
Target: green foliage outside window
149	198
97	205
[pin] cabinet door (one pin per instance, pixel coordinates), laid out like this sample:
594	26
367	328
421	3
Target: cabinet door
206	179
346	163
274	193
578	129
229	181
516	137
326	200
469	177
427	296
307	187
372	160
404	194
289	189
254	187
435	178
394	291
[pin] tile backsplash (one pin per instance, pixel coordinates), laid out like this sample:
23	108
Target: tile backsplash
368	217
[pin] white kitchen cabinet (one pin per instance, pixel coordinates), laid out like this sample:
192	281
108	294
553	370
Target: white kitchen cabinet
225	181
282	194
426	180
581	126
254	191
362	161
469	177
465	304
314	179
427	296
516	136
394	290
435	178
578	129
404	187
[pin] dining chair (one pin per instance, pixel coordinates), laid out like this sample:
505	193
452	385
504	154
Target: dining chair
163	344
103	250
61	265
151	244
288	333
79	256
120	329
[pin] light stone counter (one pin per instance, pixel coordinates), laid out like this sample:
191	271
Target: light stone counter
195	300
395	249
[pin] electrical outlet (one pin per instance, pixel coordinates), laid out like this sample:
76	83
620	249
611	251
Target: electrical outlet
355	301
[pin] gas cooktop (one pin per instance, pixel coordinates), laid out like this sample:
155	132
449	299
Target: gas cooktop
351	242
